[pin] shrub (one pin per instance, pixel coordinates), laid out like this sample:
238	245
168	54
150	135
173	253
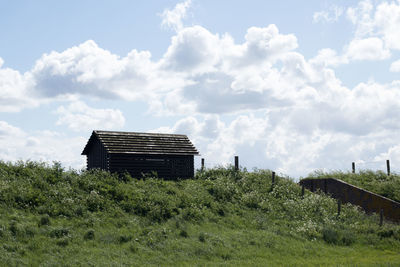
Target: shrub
30	231
330	235
202	237
133	248
63	242
251	200
348	238
89	235
223	189
386	233
124	238
337	237
192	213
44	220
94	201
14	229
59	232
2	231
184	233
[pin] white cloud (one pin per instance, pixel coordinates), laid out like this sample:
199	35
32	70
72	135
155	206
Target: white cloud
362	17
382	21
173	18
195	50
327	57
88	70
329	16
222	76
395	66
15	144
198	66
192	49
367	49
14	90
387	22
9	130
268	43
377	33
79	117
80	69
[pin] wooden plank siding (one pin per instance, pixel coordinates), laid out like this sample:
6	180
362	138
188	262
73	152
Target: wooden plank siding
166	166
171	156
97	156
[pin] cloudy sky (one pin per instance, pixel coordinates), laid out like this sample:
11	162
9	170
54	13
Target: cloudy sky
293	86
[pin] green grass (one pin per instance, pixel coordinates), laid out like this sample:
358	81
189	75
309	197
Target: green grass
375	181
49	216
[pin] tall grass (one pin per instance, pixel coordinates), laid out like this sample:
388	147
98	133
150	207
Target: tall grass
49	216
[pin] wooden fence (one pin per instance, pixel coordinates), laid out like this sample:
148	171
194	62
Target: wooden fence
347	193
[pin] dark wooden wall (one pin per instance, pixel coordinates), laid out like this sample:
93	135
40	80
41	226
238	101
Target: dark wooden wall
97	156
348	193
167	166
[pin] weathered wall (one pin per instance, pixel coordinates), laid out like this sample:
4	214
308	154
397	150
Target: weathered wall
169	167
348	193
97	156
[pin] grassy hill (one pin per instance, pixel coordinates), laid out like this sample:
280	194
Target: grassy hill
50	216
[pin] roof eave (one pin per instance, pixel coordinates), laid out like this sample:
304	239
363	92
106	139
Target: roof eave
155	153
85	152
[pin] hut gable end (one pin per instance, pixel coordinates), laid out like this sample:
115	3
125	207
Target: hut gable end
170	155
97	155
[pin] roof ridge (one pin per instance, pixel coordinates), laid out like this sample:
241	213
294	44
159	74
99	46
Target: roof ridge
143	143
125	132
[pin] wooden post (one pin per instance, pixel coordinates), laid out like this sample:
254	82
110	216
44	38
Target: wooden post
302	191
236	163
325	187
388	167
202	164
339	207
381	218
353	167
273	180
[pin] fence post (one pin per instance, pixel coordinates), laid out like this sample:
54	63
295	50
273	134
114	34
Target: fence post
273	180
381	218
325	186
236	163
302	191
388	167
339	207
202	164
353	167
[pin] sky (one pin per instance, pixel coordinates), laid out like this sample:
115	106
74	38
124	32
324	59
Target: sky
291	86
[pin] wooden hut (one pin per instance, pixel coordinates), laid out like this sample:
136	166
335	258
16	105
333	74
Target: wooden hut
170	155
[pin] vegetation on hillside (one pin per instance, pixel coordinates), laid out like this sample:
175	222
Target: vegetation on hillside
375	181
52	216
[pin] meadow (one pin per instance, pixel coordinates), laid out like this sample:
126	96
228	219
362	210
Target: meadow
50	216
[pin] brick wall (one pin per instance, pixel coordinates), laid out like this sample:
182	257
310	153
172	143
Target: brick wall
348	193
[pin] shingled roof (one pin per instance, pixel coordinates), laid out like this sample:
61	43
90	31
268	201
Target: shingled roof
142	143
